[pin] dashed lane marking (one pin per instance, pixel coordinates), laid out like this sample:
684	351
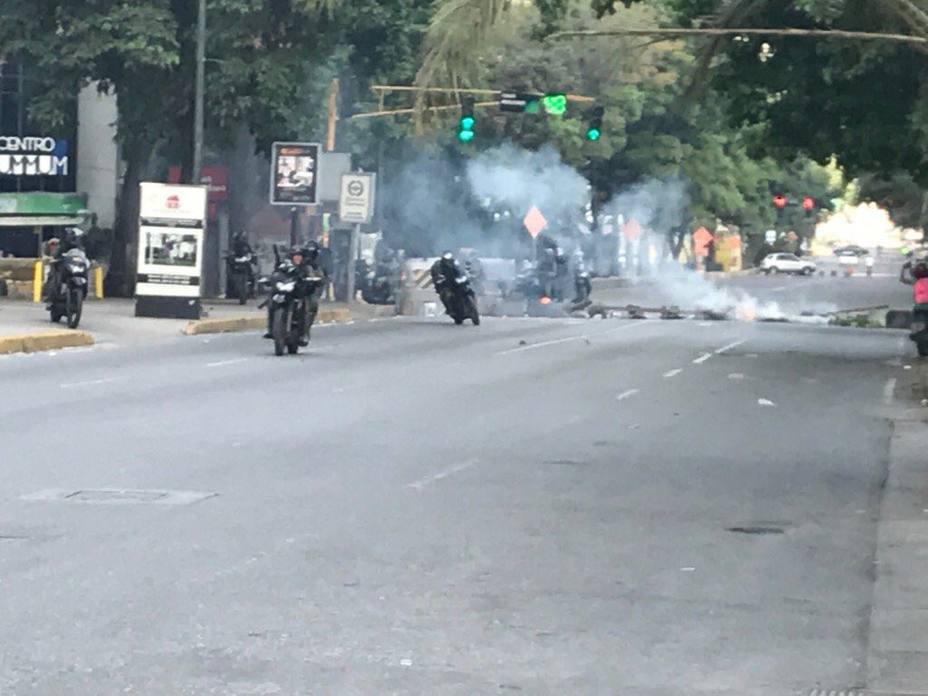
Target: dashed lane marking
88	383
568	339
435	478
888	390
702	358
672	373
627	394
221	363
725	349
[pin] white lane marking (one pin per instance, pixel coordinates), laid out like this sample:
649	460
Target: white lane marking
706	324
725	349
736	375
220	363
779	288
543	344
626	394
765	402
688	569
672	373
434	478
888	390
719	351
584	337
88	383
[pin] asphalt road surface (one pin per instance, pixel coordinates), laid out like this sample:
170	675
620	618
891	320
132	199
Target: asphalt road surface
409	507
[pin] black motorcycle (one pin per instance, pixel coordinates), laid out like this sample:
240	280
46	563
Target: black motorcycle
290	293
919	331
241	276
74	279
463	302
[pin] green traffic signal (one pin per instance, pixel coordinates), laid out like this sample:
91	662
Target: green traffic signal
593	134
555	104
467	123
465	136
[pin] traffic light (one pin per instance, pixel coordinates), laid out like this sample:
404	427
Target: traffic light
780	201
467	122
594	128
808	204
555	103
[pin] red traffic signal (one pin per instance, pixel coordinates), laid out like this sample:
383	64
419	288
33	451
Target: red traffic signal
808	203
780	201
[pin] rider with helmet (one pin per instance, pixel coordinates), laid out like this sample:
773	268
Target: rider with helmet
70	239
303	262
444	272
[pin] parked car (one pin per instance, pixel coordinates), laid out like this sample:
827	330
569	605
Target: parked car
850	250
787	263
848	259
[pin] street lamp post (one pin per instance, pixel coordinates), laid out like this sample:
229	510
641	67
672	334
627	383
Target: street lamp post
200	87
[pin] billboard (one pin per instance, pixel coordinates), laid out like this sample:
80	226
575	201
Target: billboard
294	173
172	225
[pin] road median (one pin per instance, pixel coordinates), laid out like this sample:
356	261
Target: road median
338	315
42	341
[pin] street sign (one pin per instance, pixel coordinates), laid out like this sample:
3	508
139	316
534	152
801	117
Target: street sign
294	169
356	203
701	239
516	101
770	236
534	221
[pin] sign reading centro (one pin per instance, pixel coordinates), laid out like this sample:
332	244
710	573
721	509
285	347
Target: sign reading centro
33	156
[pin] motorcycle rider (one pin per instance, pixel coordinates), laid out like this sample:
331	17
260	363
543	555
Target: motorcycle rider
305	259
240	248
444	272
474	268
71	239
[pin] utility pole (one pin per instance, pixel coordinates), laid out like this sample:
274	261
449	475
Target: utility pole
200	88
332	116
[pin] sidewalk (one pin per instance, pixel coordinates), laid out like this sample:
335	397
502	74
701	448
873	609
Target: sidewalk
897	660
113	321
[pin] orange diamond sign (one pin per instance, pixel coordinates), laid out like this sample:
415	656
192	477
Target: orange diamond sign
534	222
631	230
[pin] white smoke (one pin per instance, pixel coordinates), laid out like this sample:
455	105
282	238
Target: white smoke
521	179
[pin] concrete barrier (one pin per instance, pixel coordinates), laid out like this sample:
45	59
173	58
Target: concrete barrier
338	315
48	340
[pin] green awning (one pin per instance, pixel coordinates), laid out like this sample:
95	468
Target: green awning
41	204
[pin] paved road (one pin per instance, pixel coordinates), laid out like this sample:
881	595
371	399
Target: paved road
529	506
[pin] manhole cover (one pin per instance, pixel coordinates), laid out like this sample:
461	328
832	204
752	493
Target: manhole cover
120	496
756	529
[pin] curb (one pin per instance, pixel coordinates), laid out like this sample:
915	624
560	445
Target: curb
49	340
258	323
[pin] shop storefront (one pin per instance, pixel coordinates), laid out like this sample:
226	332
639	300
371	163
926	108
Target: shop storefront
28	219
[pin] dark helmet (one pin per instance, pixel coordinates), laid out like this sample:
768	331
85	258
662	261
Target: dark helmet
311	250
297	251
920	270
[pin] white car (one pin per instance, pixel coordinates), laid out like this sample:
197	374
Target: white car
848	260
787	263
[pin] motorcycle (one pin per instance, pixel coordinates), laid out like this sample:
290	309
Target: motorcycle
290	293
583	286
68	300
241	278
919	331
377	285
463	303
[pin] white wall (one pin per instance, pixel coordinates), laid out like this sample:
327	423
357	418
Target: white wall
98	153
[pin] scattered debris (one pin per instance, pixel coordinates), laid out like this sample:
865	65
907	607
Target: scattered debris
672	312
635	312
